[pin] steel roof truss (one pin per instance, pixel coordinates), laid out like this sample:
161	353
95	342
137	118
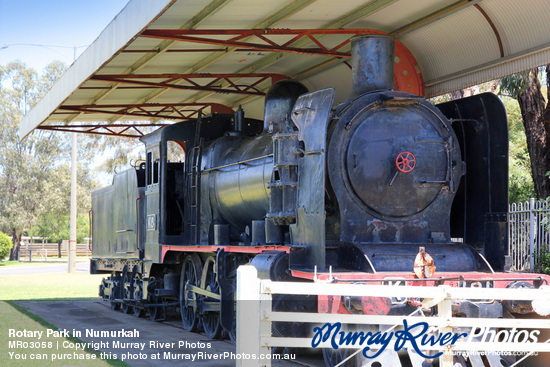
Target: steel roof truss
121	130
268	44
281	14
161	48
210	82
183	111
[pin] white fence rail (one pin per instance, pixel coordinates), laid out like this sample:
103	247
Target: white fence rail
529	233
255	315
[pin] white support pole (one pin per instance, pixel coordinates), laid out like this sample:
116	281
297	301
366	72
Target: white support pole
532	220
248	317
444	309
265	326
72	231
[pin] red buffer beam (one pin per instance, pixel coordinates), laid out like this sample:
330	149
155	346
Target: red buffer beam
201	82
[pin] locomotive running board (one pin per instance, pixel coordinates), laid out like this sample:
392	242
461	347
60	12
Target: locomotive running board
311	115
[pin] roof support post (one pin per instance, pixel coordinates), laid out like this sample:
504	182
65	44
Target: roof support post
72	236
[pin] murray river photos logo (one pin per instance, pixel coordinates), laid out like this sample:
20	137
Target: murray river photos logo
418	335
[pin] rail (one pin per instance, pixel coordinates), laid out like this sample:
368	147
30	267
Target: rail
255	316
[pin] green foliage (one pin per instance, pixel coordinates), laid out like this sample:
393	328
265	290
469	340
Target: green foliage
542	262
57	228
25	166
5	245
514	84
520	179
35	172
53	221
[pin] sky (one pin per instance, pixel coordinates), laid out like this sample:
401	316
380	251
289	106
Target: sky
31	28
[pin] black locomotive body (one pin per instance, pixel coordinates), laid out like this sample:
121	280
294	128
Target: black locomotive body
361	189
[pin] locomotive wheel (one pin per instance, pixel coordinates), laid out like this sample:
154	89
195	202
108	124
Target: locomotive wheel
155	313
209	281
115	306
137	294
102	290
232	335
126	308
334	357
138	311
190	274
126	284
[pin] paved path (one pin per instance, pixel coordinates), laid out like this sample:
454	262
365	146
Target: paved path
164	340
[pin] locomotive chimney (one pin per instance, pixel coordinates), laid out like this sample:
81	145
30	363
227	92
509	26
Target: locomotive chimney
372	58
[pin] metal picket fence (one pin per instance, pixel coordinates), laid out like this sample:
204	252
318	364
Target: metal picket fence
529	233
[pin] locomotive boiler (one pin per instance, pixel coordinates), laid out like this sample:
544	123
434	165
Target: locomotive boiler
384	187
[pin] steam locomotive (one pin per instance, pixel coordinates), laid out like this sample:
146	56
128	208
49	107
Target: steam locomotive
384	187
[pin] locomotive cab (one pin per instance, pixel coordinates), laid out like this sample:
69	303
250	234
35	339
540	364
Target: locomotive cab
164	190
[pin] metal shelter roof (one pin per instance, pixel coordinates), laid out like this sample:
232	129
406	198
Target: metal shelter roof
166	60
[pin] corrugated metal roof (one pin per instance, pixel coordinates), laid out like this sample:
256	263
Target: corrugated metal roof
455	43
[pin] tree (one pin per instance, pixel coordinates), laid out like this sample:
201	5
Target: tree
34	173
535	112
25	166
53	220
5	245
520	181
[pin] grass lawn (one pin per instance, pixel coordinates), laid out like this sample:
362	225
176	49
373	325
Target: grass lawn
49	286
17	318
25	264
39	261
43	287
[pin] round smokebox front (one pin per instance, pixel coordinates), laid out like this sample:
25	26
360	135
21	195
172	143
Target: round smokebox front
396	158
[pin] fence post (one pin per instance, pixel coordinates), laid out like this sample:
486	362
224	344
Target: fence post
532	235
444	309
248	317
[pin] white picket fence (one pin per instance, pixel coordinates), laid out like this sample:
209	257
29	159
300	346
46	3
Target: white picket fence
529	233
255	315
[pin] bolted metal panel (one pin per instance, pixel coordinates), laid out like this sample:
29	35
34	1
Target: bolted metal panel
115	218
